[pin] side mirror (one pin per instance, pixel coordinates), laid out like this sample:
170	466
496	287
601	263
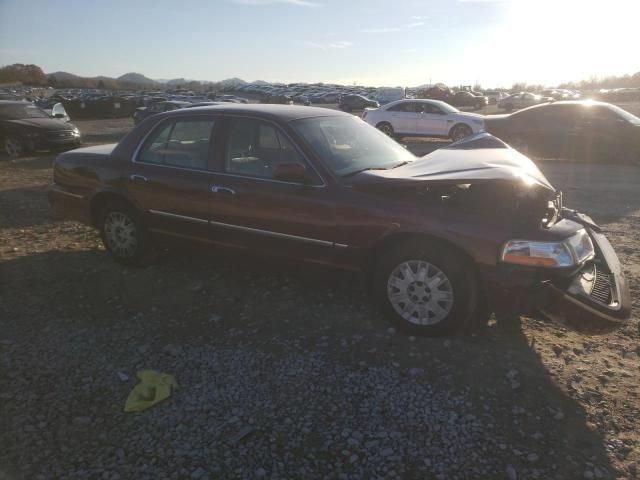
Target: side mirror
58	115
290	172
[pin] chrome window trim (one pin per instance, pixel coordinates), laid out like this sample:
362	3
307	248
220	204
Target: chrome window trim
179	217
136	152
224	173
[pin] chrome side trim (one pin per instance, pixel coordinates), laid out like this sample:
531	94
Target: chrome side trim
69	194
240	228
179	217
273	234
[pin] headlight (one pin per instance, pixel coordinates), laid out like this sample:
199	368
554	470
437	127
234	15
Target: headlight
572	251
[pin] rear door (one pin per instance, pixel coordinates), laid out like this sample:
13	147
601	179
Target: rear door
252	209
169	177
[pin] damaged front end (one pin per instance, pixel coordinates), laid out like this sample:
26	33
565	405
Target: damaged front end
550	259
595	298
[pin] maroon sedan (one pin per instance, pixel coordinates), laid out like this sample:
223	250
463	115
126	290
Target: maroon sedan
445	239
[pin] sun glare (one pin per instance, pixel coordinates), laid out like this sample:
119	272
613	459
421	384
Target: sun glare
550	41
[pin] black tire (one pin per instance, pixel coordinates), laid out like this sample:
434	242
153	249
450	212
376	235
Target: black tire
120	222
460	131
509	107
13	146
386	128
459	279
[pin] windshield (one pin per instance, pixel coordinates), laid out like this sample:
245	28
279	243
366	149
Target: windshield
629	117
348	145
17	112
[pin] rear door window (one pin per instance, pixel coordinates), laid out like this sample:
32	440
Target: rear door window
179	143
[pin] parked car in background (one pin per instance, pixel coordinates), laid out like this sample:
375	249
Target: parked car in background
467	230
349	103
521	100
384	95
467	99
25	127
494	96
581	130
429	118
159	107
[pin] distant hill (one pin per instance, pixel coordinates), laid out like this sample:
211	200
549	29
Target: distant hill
133	78
63	76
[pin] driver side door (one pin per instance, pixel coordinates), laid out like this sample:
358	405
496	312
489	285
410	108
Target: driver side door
252	209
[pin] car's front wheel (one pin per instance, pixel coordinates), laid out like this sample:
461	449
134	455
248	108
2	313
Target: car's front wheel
426	288
13	147
460	131
124	235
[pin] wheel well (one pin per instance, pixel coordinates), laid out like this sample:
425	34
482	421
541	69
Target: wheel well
391	241
457	125
100	200
382	123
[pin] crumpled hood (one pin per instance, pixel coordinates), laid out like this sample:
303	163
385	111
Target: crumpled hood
49	124
482	158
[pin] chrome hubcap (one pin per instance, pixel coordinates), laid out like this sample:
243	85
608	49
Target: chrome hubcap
120	233
12	147
420	292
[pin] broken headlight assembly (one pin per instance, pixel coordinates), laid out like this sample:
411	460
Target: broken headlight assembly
570	252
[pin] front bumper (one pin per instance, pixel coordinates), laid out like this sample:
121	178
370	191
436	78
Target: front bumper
593	298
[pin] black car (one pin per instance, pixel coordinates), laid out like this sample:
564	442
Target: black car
25	127
158	107
578	130
348	103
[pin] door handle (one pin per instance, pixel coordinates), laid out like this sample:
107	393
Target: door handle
138	179
225	190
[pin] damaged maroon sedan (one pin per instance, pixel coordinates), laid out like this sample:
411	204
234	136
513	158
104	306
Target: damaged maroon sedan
446	239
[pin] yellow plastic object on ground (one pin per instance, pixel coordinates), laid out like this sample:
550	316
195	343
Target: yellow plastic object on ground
153	388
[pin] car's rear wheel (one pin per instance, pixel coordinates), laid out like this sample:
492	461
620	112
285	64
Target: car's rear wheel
426	288
509	107
124	235
13	147
386	128
460	131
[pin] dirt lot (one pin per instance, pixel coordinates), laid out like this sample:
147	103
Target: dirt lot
290	372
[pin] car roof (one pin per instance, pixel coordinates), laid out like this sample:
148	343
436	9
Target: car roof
280	112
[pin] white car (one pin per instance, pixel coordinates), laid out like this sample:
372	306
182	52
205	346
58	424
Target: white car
495	96
424	118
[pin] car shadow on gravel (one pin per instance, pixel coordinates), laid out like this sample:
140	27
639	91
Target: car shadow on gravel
169	315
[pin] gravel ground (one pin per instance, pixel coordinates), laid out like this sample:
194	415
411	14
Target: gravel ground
290	372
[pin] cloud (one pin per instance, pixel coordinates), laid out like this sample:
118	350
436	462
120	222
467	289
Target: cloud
297	3
415	24
339	45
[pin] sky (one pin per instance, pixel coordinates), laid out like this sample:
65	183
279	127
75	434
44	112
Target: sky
368	42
